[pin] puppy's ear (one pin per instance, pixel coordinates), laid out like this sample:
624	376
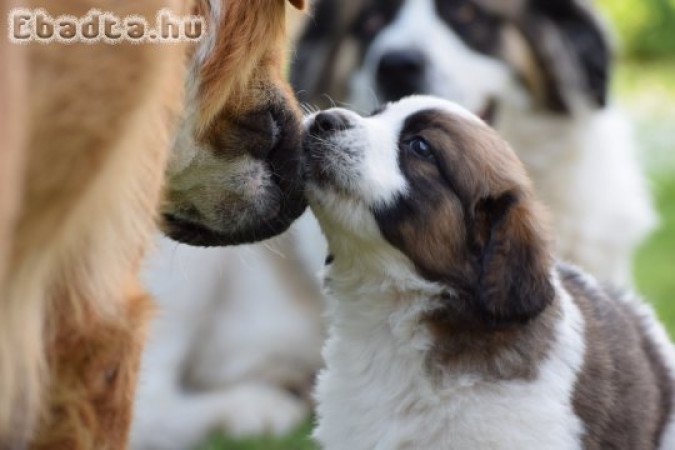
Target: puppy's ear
299	4
513	261
572	49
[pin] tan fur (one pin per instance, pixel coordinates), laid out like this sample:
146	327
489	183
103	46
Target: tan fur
295	23
521	57
235	174
12	110
93	171
98	125
236	66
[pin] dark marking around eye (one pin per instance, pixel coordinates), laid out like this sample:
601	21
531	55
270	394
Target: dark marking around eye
432	119
478	28
374	18
329	259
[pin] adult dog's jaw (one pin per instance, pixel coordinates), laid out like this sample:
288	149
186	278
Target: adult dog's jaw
236	171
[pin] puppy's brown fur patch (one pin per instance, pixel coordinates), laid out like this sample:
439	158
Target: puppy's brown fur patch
491	248
624	392
469	220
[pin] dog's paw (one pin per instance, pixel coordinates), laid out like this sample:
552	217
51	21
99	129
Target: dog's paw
262	409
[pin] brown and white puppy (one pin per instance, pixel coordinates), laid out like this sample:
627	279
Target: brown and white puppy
539	69
88	135
450	324
235	174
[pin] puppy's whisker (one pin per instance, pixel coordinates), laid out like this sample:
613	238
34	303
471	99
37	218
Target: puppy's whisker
330	99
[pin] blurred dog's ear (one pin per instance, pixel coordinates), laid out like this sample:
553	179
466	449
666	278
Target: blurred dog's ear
314	68
512	260
572	50
299	4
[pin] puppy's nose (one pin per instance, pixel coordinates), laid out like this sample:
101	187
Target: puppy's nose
401	73
328	122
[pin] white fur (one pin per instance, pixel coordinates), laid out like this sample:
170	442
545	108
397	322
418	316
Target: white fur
595	142
375	174
228	339
375	392
203	180
584	167
585	170
456	73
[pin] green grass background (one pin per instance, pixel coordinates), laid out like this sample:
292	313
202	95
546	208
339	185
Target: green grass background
644	85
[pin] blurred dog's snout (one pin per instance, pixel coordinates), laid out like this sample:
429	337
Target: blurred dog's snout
401	73
328	122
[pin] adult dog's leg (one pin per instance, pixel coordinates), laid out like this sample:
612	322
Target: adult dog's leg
100	123
94	363
12	135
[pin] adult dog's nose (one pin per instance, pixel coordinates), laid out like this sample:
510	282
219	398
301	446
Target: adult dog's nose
328	122
401	73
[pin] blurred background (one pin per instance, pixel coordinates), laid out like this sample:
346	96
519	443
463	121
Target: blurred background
644	87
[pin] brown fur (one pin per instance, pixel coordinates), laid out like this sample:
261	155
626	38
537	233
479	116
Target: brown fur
492	249
93	171
508	353
99	120
624	392
250	115
557	49
12	110
470	220
234	54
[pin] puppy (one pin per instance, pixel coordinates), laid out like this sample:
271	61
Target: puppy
539	70
450	325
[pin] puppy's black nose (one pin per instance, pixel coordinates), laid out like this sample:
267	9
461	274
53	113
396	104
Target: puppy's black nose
401	73
328	122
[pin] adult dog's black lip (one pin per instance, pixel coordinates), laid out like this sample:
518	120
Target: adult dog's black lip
285	162
199	235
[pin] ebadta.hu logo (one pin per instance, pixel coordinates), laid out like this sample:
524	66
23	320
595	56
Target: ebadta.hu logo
37	25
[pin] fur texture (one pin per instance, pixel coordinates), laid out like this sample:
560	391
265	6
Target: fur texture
236	171
230	354
85	184
67	266
450	325
540	70
236	341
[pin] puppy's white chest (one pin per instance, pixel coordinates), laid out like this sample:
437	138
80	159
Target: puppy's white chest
470	418
376	394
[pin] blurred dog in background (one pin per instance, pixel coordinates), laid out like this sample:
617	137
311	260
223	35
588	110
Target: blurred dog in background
234	347
538	70
88	133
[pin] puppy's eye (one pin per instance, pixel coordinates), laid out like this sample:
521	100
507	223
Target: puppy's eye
420	147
